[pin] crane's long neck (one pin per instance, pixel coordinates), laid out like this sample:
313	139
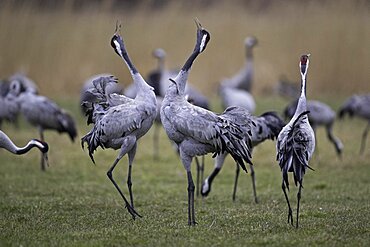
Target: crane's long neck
302	105
182	77
7	144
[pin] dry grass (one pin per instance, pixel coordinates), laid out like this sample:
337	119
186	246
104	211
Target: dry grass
59	49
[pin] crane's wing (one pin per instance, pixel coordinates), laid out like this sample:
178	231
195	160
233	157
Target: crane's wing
294	148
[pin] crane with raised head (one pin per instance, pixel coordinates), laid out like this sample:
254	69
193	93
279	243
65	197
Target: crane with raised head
197	131
121	126
296	143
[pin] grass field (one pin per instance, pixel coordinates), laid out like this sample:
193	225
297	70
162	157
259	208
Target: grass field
73	203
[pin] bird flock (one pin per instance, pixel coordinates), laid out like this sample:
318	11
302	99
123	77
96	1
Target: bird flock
121	116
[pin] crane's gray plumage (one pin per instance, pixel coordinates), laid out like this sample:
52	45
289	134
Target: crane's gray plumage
244	78
198	131
9	106
85	96
358	105
120	121
43	114
9	109
7	144
236	97
320	115
296	143
267	126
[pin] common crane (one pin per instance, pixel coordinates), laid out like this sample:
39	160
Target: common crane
244	78
9	107
296	143
121	126
7	144
198	131
267	126
43	113
358	105
88	84
320	115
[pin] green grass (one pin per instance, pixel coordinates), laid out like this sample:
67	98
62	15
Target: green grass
73	203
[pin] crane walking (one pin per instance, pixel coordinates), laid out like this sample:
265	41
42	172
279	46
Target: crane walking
296	143
197	131
121	121
358	105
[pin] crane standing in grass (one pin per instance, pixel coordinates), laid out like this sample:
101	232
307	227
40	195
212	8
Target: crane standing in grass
267	126
296	143
121	125
197	131
43	113
358	105
7	144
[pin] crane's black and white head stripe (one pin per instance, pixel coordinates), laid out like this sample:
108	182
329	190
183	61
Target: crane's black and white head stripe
43	146
117	44
303	64
203	37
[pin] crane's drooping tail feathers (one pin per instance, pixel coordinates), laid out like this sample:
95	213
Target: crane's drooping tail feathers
296	157
67	124
234	129
92	140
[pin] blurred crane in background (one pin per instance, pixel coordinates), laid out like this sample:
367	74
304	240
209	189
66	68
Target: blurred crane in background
320	115
42	113
358	105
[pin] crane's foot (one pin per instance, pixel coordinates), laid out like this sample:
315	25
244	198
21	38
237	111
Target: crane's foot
132	211
290	217
192	223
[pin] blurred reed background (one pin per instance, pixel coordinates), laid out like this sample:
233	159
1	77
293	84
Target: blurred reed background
59	44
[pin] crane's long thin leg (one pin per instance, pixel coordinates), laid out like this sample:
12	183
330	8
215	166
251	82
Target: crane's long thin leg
337	143
130	209
191	209
298	200
131	156
363	141
253	176
155	141
128	144
43	158
290	213
198	175
237	171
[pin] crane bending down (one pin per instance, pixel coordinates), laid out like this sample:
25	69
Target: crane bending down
320	115
358	105
296	143
120	125
267	126
197	131
43	114
7	144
